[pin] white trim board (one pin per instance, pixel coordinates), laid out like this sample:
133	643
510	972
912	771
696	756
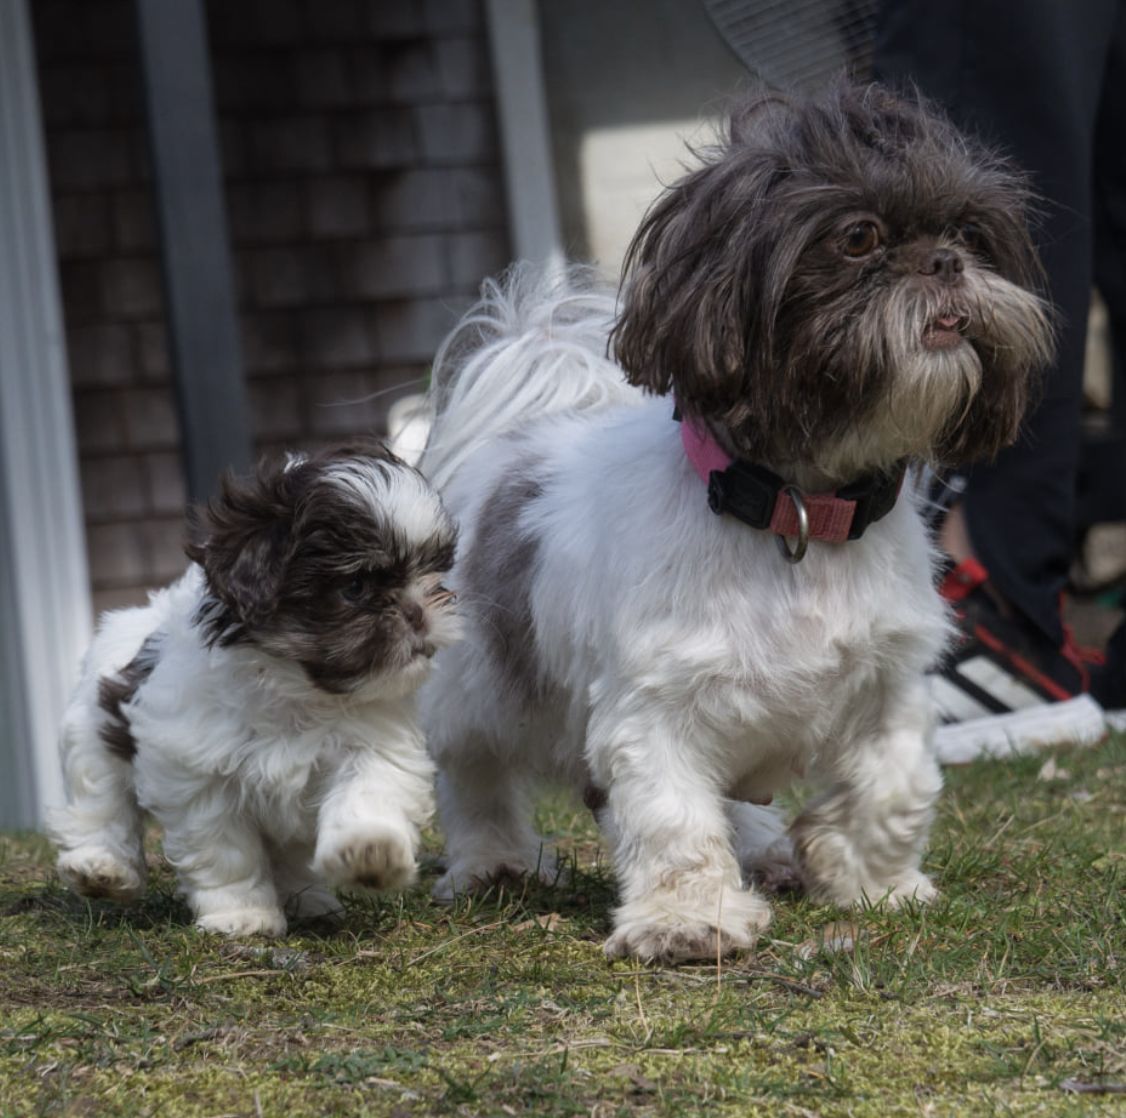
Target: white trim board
529	174
45	614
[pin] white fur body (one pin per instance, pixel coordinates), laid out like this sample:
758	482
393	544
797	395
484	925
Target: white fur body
681	664
267	787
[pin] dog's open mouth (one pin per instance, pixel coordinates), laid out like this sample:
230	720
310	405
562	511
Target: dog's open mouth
945	330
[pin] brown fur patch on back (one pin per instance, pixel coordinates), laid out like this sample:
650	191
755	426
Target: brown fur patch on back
114	691
498	574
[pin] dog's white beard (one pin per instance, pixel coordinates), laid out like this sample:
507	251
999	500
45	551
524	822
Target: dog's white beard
932	390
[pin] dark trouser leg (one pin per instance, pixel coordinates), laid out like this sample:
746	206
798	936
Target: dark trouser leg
1027	76
1110	277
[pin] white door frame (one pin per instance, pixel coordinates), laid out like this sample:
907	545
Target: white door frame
529	170
45	612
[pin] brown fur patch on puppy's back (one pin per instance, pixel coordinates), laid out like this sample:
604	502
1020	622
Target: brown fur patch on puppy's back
114	691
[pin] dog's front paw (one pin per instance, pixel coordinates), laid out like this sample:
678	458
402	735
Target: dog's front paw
913	887
662	929
850	891
94	871
243	922
371	859
763	849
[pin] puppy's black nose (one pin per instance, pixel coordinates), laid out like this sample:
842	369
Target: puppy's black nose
415	616
944	264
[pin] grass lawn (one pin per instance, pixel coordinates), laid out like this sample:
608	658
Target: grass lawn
1005	997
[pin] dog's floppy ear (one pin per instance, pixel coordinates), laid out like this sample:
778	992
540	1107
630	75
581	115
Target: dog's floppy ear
243	537
693	307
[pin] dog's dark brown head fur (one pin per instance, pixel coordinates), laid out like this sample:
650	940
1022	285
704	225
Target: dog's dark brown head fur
845	281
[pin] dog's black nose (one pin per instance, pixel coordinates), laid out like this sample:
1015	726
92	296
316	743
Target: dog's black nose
944	264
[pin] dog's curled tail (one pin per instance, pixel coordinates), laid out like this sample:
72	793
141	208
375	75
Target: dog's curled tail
534	344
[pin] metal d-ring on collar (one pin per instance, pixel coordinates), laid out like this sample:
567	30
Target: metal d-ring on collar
797	553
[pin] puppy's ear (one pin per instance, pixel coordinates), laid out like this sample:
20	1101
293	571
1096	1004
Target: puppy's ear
243	537
694	311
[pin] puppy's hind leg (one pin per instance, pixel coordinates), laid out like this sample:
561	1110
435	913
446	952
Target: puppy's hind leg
99	832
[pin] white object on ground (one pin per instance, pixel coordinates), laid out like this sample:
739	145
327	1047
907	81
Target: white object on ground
1078	721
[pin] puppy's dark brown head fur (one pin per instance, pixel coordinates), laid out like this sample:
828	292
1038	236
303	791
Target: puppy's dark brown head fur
331	560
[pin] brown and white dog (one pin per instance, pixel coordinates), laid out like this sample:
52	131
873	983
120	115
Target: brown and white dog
262	707
843	286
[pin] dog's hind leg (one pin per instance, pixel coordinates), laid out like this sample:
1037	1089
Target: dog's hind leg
477	731
862	839
762	846
485	807
302	893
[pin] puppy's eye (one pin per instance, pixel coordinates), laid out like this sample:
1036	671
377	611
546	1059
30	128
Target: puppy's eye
861	240
355	589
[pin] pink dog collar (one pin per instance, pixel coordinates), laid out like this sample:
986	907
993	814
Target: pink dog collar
763	500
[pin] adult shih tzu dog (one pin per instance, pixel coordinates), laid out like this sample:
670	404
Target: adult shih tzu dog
262	707
694	570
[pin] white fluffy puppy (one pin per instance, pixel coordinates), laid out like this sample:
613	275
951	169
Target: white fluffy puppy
263	707
843	286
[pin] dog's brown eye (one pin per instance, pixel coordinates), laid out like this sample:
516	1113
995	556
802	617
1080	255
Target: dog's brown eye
354	589
972	237
862	239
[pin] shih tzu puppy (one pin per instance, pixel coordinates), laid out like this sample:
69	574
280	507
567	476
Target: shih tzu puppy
846	285
262	707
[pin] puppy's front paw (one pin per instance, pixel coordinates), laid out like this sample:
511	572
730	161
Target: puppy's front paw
662	929
369	859
94	871
243	922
